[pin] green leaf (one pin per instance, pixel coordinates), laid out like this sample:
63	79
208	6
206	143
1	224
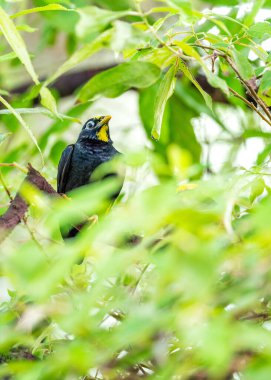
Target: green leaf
94	20
220	24
243	65
38	110
161	57
250	133
190	51
126	36
16	42
8	57
188	74
164	10
4	136
265	87
217	82
260	52
82	54
165	91
23	123
48	100
257	5
49	7
257	188
263	155
26	28
113	82
185	8
260	31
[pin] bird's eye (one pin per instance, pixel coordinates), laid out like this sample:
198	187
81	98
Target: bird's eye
90	124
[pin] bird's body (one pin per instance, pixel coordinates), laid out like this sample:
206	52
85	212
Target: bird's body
85	158
79	160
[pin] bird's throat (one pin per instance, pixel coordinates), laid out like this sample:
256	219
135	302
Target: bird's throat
103	133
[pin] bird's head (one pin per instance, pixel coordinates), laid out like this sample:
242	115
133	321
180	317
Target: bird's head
97	129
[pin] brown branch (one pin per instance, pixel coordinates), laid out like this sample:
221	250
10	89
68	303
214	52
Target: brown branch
69	83
247	84
250	104
18	207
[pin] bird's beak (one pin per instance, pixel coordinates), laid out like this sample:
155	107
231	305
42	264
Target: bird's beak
104	121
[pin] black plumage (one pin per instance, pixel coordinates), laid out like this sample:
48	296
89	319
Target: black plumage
78	161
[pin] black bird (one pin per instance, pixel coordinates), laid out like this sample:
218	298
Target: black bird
78	161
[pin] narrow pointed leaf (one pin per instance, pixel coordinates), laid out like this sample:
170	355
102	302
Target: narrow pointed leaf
50	7
80	55
48	101
188	74
23	123
16	42
165	91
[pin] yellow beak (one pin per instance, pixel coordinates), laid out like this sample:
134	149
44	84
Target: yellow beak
104	121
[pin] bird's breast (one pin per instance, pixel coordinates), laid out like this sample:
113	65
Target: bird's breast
85	160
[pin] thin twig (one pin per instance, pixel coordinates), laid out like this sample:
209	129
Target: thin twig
250	89
14	165
251	105
245	83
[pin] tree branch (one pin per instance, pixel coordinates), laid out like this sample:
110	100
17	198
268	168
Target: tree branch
18	206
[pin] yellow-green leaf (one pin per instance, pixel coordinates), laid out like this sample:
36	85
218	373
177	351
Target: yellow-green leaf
243	65
16	42
113	82
217	82
188	74
80	55
165	91
50	7
48	101
4	136
23	123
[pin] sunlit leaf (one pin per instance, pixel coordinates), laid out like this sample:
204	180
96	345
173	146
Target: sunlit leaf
260	31
3	137
126	36
8	57
39	110
16	42
165	91
23	123
189	75
48	100
217	82
114	82
250	16
80	55
49	7
243	65
94	20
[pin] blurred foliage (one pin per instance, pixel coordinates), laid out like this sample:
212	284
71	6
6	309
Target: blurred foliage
173	280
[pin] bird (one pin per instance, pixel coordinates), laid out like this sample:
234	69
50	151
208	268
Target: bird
79	161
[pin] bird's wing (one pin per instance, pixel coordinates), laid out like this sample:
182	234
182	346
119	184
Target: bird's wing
63	168
112	168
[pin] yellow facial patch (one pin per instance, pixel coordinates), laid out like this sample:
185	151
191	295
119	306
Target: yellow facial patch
103	133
